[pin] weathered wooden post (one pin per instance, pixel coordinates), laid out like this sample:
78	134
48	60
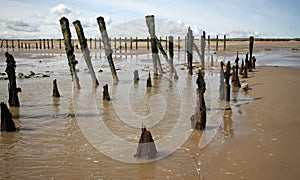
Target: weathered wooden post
200	115
36	46
13	90
147	43
22	45
171	53
178	43
125	46
251	42
203	51
227	77
115	44
7	123
151	29
136	43
18	44
224	42
6	41
253	62
236	82
85	50
190	44
166	42
208	44
59	43
48	44
95	44
217	42
211	60
55	92
241	68
40	41
136	76
12	44
100	46
64	23
222	83
245	72
108	51
120	41
149	84
52	44
130	43
146	147
105	93
44	43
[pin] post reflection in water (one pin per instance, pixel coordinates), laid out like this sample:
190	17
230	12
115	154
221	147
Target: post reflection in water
228	130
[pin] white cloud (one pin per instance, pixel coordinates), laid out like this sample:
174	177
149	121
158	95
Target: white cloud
61	9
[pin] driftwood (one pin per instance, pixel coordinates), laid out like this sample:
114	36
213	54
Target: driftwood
7	123
13	90
136	76
155	58
85	50
55	92
149	84
200	115
107	47
64	23
146	147
190	45
105	93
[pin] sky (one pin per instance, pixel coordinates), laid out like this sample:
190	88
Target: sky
235	18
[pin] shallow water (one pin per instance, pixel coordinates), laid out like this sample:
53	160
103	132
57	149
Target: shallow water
81	136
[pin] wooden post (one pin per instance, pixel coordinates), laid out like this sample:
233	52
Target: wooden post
12	44
151	29
108	51
40	43
18	44
21	45
7	123
85	50
52	44
95	43
59	43
227	77
100	46
217	43
208	43
136	76
178	43
160	47
120	41
105	93
115	44
48	44
36	46
241	68
236	82
171	53
203	51
166	42
55	92
125	46
136	43
251	42
44	43
13	90
6	44
222	83
225	42
64	23
146	147
130	43
190	44
200	115
149	84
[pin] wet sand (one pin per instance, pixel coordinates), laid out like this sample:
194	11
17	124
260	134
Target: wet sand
270	147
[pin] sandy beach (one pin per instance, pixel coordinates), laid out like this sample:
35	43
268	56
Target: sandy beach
260	140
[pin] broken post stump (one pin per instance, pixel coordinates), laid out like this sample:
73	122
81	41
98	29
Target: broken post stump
146	147
222	83
241	68
200	114
149	84
236	82
55	92
107	47
105	93
190	44
7	123
203	51
13	90
136	76
85	50
155	57
64	23
253	62
245	72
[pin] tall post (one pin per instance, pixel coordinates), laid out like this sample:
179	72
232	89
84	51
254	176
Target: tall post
95	46
85	50
171	52
227	77
52	44
44	43
203	50
64	23
178	43
130	43
225	42
125	46
59	43
217	43
147	43
151	29
251	42
40	43
190	44
136	43
13	90
48	44
201	107
107	47
166	42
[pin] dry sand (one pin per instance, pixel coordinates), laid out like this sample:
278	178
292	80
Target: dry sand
268	143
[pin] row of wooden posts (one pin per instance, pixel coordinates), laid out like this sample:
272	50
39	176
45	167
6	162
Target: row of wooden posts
119	43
